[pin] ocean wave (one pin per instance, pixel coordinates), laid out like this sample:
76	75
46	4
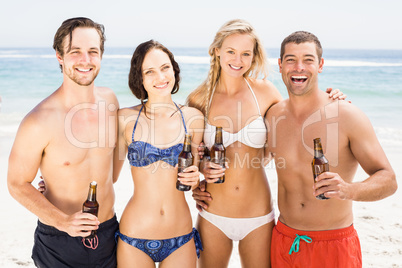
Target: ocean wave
9	123
26	56
117	56
6	131
9	52
350	63
192	59
388	135
205	60
179	59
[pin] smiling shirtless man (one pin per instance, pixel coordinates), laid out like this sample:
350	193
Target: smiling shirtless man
311	232
70	137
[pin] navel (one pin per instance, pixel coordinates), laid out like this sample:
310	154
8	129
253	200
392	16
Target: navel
67	163
162	212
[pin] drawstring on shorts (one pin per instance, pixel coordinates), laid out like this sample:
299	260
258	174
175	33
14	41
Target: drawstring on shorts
296	242
92	242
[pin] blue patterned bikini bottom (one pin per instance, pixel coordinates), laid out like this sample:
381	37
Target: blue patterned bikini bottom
158	250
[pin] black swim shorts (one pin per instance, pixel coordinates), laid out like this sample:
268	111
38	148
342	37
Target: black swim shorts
53	248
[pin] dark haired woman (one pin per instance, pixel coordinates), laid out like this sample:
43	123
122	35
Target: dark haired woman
156	225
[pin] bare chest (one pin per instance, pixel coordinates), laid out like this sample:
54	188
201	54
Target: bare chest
81	136
291	140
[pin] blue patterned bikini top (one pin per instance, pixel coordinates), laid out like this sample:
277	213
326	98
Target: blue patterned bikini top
142	153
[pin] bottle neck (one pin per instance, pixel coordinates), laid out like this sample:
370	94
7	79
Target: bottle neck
318	148
218	135
318	153
92	193
187	143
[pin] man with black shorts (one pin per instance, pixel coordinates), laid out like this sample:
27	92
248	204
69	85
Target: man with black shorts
70	137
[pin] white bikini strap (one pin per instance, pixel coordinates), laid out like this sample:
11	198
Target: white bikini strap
255	98
209	105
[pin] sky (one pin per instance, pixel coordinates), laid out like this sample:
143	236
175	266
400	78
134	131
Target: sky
356	24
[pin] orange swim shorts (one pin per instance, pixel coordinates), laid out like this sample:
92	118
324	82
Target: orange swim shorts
332	248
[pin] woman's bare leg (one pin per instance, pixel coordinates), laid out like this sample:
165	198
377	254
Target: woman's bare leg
217	246
255	248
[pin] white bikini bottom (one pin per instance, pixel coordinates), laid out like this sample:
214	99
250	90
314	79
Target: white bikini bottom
237	228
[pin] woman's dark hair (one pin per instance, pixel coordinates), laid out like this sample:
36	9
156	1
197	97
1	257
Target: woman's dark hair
135	81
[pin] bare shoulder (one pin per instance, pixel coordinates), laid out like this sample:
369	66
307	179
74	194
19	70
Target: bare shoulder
348	110
42	122
46	112
191	111
35	120
266	93
128	111
127	115
105	91
194	120
351	117
108	95
278	109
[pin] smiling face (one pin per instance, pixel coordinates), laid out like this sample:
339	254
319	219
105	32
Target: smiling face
157	73
81	63
236	54
300	67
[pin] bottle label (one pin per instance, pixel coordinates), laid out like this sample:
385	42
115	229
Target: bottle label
318	169
218	158
184	163
93	211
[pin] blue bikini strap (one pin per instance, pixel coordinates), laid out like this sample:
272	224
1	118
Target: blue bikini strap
135	126
182	118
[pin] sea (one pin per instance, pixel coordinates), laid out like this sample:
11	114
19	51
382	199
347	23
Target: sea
372	80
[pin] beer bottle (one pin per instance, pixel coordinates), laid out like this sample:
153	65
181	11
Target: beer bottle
319	163
91	205
218	152
185	160
207	154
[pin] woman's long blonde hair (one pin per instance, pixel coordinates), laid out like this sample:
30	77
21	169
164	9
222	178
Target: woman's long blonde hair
201	96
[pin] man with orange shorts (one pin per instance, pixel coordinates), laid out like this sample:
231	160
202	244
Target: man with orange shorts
331	248
312	232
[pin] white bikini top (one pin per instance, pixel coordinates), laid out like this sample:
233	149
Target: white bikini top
253	135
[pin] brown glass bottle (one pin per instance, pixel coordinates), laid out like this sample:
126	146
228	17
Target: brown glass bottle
185	160
218	152
207	154
91	205
319	163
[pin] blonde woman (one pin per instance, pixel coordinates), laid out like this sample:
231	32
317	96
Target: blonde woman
233	96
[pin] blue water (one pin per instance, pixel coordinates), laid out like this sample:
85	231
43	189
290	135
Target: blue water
372	79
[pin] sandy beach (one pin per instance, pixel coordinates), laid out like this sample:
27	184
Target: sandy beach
379	224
